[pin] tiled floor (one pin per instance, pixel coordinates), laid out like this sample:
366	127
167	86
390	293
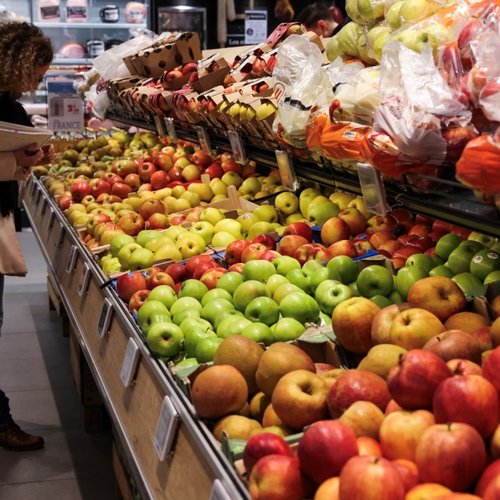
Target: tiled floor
35	372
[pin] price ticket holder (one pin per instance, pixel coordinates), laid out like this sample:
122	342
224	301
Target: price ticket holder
105	318
83	284
43	206
166	430
50	222
60	236
373	189
38	193
237	147
73	255
159	127
219	492
130	363
204	140
171	132
288	178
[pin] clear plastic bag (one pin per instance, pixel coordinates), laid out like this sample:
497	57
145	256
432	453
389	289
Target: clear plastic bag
300	84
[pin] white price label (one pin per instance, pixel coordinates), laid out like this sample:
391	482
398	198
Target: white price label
373	189
166	429
159	127
50	222
172	133
204	140
219	492
130	363
65	108
73	254
83	284
105	318
60	236
237	147
288	178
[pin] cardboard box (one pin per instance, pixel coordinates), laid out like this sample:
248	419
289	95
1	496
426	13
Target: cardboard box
211	72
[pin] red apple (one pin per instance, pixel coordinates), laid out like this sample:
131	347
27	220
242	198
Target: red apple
177	271
230	165
236	268
363	247
308	252
234	250
454	344
451	454
129	283
203	267
381	237
173	74
325	448
151	206
157	221
137	300
149	272
163	162
133	181
261	445
161	278
421	243
189	68
414	379
408	471
384	223
159	179
333	230
464	367
300	229
270	255
402	215
488	475
382	322
266	240
132	223
99	187
370	478
253	252
193	262
345	247
419	230
201	159
490	368
79	190
405	253
354	218
390	246
392	407
369	446
214	171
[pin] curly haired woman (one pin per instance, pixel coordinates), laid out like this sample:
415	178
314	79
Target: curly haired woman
26	55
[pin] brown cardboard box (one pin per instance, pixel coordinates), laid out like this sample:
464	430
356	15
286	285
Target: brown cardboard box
208	79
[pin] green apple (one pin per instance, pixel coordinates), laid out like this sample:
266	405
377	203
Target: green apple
395	297
181	316
146	235
212	215
149	308
283	290
214	307
192	288
310	266
305	201
299	278
190	244
232	179
125	252
156	243
287	329
165	339
274	282
187	362
263	310
233	327
165	294
381	301
422	260
222	239
184	304
118	242
206	348
379	44
248	291
152	320
414	10
285	264
225	314
247	220
216	293
330	294
441	270
111	265
258	270
173	232
300	306
260	227
392	16
168	251
230	226
437	260
467	281
354	288
484	262
446	245
460	259
492	277
230	282
406	277
193	337
322	274
195	323
320	213
346	267
287	203
371	10
375	280
266	213
203	229
310	191
324	318
487	240
140	258
225	321
258	332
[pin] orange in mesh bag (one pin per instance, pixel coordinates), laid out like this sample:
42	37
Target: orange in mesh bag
314	129
380	151
479	165
342	141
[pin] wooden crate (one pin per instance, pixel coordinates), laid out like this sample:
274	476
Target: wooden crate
85	385
55	304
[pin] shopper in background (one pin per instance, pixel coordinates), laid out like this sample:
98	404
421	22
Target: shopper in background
25	55
317	18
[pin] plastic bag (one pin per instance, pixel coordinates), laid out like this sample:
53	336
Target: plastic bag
110	63
342	141
299	85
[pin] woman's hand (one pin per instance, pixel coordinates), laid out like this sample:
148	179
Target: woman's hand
49	154
29	156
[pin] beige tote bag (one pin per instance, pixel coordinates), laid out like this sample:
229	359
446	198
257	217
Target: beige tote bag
11	257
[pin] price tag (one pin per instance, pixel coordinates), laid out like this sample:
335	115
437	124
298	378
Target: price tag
105	318
43	206
65	108
219	492
204	140
60	236
172	133
166	429
130	363
288	178
50	222
31	192
73	254
83	285
237	147
159	127
38	192
373	189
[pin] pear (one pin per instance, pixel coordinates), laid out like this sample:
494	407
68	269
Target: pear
381	358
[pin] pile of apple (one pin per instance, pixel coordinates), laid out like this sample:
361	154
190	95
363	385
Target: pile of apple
418	418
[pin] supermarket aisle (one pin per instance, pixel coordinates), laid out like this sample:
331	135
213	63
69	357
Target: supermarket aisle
35	372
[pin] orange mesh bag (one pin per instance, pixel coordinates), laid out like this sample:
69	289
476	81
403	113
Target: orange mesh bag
342	141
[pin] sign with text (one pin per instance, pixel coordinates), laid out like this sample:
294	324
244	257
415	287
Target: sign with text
65	108
255	26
